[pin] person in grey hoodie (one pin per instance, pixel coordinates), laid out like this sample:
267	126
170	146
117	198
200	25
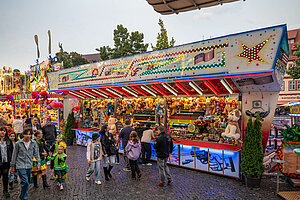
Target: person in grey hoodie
133	151
22	156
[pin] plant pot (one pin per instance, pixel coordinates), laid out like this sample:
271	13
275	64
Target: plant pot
69	142
252	182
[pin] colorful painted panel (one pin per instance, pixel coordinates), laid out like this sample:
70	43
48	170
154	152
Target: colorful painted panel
201	158
244	52
216	161
187	156
83	137
231	163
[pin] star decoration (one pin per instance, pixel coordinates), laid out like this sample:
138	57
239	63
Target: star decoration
252	53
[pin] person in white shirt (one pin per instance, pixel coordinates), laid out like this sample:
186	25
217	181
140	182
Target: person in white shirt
18	125
147	136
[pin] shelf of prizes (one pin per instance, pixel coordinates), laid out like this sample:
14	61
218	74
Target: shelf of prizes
49	106
203	93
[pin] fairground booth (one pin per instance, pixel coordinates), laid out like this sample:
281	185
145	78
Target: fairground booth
26	94
203	92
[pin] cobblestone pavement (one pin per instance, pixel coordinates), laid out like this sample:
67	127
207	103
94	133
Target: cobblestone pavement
188	184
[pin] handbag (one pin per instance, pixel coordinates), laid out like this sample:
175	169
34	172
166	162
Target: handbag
113	150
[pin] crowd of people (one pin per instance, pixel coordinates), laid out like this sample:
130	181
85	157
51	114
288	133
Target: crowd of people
27	149
136	146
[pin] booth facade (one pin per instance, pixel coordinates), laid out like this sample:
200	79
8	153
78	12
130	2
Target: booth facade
197	81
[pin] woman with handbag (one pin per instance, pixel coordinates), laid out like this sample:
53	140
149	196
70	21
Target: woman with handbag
109	148
6	150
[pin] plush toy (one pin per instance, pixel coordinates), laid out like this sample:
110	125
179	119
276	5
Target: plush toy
212	106
227	107
110	108
112	125
233	130
159	114
207	107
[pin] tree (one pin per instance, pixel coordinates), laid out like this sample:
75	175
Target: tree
69	59
252	155
69	133
162	38
294	72
125	44
105	52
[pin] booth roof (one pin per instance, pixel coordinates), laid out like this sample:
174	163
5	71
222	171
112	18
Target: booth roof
167	7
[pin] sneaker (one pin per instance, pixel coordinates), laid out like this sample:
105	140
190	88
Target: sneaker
160	184
117	163
149	164
61	187
98	182
127	170
170	181
87	178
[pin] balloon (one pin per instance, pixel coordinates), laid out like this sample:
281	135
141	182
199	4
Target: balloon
55	108
44	94
35	94
60	105
49	107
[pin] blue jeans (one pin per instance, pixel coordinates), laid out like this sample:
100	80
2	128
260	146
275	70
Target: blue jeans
109	160
94	166
13	177
50	143
24	175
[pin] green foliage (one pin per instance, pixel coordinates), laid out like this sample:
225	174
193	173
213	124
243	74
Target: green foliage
68	131
291	133
125	44
69	59
294	72
252	155
105	52
162	38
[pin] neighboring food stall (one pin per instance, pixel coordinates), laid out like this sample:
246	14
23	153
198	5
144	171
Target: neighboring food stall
203	92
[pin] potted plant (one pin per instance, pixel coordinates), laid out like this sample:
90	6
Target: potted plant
68	131
252	155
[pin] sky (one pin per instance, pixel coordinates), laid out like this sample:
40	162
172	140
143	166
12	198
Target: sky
84	25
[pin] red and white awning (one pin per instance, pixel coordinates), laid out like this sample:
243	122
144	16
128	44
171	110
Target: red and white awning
188	88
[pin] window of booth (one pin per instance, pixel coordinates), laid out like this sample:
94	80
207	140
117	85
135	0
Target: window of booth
193	118
292	85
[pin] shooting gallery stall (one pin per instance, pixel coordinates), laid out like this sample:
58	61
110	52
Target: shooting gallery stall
204	92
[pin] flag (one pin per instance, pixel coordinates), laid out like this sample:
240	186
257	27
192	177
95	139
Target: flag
283	56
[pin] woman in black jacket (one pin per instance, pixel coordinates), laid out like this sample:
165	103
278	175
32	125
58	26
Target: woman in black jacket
109	151
6	150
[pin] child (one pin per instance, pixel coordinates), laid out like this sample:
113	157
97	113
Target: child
58	143
12	177
60	168
94	156
43	151
133	151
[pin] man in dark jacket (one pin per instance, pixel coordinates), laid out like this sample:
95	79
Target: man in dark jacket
164	148
124	135
49	133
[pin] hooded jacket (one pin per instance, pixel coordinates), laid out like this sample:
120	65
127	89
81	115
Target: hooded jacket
133	151
163	145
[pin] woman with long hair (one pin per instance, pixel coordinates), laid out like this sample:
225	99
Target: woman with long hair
6	150
109	148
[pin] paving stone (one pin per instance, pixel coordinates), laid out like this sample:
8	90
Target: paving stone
188	184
